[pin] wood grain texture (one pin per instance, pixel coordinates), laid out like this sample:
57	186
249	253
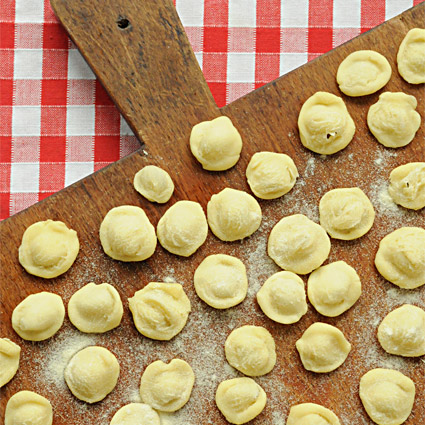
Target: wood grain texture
162	100
148	67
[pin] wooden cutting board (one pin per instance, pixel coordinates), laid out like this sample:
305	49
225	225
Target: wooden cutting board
140	53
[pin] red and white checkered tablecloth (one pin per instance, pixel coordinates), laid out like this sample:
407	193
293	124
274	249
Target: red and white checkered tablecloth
58	125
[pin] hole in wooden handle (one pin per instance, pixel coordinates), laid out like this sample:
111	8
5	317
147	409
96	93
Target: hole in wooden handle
123	23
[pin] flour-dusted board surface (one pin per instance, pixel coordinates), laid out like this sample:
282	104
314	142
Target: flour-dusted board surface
152	75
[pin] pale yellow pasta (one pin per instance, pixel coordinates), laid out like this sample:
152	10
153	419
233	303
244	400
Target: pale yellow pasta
282	298
387	396
402	331
401	257
251	350
411	56
311	414
39	316
48	248
95	308
240	400
346	213
298	244
92	374
393	119
363	72
160	310
126	234
216	144
154	184
167	386
334	288
183	228
233	214
270	175
28	408
136	414
10	354
407	185
322	348
220	281
324	123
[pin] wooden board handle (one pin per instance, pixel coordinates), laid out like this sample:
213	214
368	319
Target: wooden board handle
142	56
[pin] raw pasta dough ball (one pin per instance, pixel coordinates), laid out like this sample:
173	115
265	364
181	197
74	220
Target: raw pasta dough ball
298	244
282	298
48	249
401	257
183	228
167	387
136	414
221	281
346	213
322	348
407	185
154	184
9	360
216	144
126	234
387	396
240	400
95	308
160	310
402	331
311	414
411	56
393	119
324	123
38	316
251	350
334	288
92	374
233	214
363	72
28	408
271	175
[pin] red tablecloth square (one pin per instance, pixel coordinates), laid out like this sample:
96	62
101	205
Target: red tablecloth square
57	124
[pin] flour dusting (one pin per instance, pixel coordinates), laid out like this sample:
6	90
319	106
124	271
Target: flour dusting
59	352
201	342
